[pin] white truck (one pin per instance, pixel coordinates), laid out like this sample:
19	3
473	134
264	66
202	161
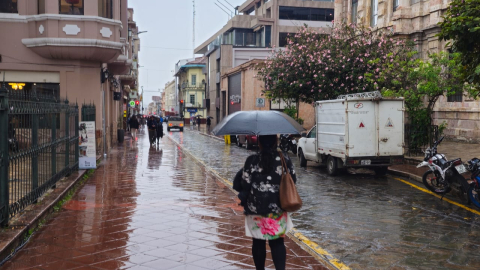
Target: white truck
358	130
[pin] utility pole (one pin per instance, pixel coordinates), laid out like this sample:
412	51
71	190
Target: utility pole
193	28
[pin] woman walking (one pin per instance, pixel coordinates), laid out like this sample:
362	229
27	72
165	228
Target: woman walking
159	132
259	193
134	125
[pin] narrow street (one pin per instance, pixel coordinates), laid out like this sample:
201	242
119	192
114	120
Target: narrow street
149	208
364	221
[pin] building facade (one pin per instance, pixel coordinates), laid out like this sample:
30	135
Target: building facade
73	50
418	21
258	27
192	85
170	99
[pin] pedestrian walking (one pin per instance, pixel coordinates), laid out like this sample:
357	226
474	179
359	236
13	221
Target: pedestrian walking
152	127
159	131
128	123
209	123
199	121
259	194
134	125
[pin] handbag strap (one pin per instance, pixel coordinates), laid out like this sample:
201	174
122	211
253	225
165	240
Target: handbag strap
284	165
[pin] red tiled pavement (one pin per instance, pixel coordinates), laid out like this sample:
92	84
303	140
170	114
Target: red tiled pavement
147	208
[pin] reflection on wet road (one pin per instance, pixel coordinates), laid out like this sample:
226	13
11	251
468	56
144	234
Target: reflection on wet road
364	221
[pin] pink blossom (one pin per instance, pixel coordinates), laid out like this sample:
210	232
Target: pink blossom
268	226
361	77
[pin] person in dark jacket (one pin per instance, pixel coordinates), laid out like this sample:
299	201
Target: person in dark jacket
209	123
159	131
264	217
134	125
152	127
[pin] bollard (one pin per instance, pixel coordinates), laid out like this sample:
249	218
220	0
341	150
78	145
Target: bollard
227	139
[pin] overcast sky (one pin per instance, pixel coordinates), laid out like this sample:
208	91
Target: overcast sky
170	26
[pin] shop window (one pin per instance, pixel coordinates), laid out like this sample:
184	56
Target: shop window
354	11
41	6
374	15
8	6
457	97
105	9
306	14
72	7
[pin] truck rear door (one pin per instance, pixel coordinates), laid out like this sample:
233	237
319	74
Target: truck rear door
390	128
362	127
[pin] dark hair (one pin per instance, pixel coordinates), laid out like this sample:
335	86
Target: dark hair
268	151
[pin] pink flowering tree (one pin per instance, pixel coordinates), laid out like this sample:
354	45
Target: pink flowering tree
317	66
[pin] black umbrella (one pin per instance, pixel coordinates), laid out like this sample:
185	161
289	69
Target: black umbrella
257	123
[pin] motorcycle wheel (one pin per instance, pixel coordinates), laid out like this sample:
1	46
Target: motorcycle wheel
474	195
462	191
283	147
430	180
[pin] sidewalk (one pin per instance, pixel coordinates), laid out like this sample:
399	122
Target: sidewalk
451	150
147	208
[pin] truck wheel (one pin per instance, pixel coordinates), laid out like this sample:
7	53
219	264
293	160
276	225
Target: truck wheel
239	144
332	168
303	160
294	149
381	171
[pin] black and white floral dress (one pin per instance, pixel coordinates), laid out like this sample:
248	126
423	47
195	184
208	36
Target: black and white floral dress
265	219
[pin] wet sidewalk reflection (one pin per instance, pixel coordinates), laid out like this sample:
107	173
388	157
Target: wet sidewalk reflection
148	208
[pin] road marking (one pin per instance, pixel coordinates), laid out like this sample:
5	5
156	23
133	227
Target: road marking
325	256
438	196
316	251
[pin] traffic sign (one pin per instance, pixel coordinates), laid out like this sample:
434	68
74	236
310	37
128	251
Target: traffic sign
132	103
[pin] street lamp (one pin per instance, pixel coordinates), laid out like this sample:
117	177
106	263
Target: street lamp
141	32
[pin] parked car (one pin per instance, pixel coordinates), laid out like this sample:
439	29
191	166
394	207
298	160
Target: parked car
249	140
175	122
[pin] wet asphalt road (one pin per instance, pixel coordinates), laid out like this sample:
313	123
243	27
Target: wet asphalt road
366	222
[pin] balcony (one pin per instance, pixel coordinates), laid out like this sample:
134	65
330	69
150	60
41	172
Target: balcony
197	86
122	65
70	37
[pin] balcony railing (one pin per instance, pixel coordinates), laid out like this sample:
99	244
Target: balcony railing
196	85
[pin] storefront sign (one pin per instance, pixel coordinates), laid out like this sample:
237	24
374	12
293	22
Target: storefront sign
192	110
260	102
87	158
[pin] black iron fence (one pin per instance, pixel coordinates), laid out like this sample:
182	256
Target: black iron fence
88	112
419	138
42	147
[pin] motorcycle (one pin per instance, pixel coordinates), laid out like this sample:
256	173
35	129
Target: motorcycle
443	174
474	188
288	142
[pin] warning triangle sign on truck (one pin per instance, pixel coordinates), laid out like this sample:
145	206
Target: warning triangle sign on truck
361	125
389	123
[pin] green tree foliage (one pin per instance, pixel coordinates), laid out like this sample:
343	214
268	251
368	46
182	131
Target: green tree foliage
317	66
461	24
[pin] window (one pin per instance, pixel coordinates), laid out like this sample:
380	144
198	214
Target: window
72	7
105	9
395	5
457	97
306	14
283	39
192	99
312	133
354	11
8	6
194	80
41	6
374	16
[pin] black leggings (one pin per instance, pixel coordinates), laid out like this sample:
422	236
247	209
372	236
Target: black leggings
279	253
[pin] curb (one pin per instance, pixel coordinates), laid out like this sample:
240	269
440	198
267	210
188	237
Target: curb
321	255
211	136
19	238
405	174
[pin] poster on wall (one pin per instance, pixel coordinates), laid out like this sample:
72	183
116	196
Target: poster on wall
86	141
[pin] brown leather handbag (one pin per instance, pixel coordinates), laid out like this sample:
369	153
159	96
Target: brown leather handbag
290	201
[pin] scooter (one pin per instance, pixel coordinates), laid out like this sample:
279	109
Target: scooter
443	174
288	142
474	188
